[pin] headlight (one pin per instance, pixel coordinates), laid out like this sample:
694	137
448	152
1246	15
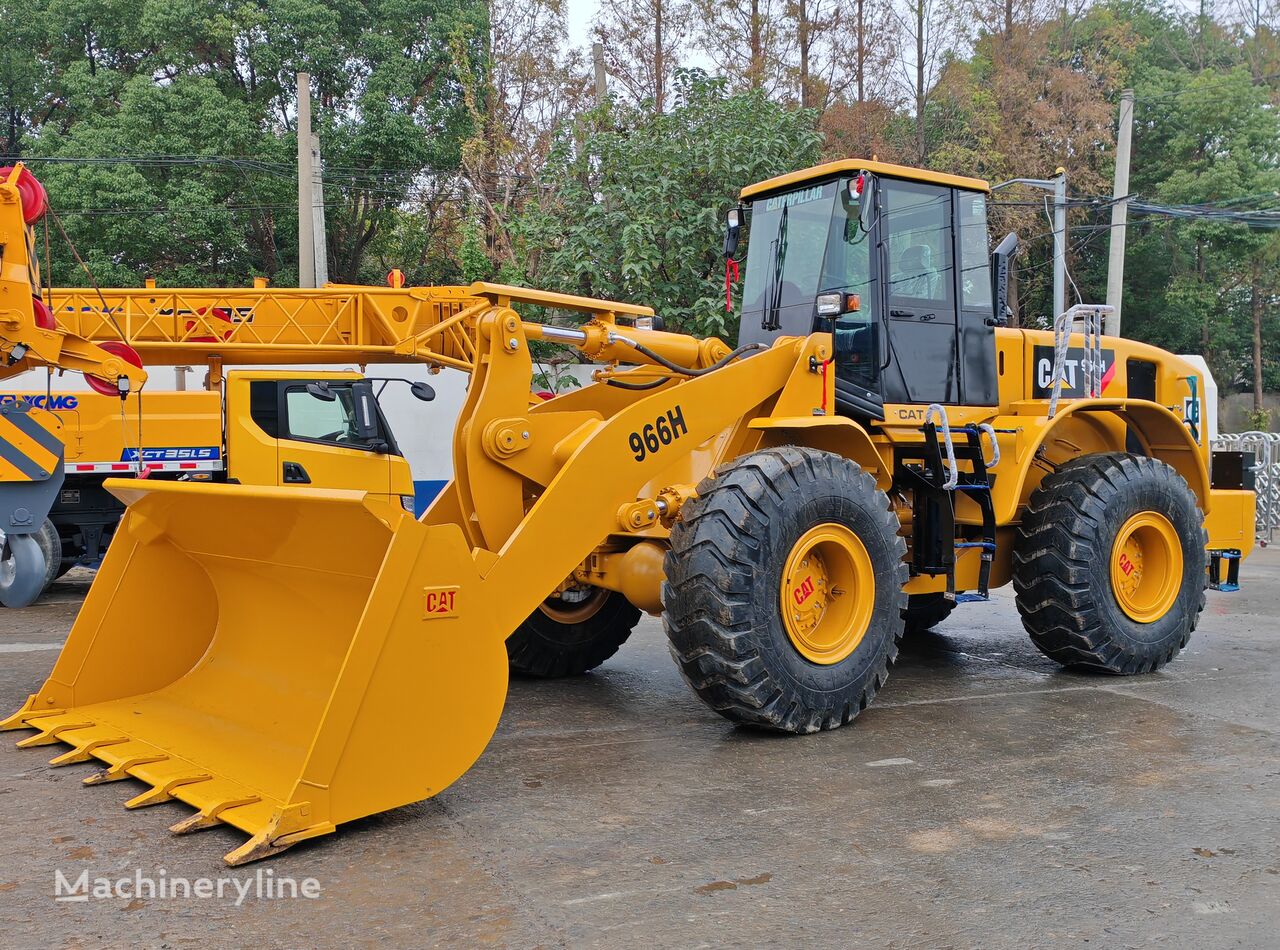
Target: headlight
406	501
830	305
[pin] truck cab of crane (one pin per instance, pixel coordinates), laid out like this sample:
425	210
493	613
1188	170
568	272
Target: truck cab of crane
893	262
307	428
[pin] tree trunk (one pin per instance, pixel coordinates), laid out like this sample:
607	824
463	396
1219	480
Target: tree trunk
803	37
658	65
757	47
921	149
860	50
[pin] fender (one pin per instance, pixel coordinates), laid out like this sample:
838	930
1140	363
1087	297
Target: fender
836	434
1163	435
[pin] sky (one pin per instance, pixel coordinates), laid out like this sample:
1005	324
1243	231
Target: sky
578	14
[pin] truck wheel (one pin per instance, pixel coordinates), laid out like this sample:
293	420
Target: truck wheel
22	570
926	611
1109	564
783	594
572	633
51	548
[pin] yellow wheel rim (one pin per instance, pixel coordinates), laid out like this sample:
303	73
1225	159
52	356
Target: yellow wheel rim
828	593
575	605
1146	566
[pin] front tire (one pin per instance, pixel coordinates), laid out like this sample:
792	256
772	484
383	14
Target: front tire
925	611
571	634
1109	564
789	529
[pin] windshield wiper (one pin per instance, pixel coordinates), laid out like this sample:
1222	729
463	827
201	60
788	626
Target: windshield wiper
778	251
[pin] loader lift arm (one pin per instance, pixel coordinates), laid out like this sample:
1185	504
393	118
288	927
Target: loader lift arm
510	527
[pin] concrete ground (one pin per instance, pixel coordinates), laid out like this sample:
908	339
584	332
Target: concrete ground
986	799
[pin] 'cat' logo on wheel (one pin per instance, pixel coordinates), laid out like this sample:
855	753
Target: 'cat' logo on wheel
439	602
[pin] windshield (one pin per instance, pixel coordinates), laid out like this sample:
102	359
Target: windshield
786	244
807	242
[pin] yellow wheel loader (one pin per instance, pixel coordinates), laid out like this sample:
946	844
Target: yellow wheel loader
877	448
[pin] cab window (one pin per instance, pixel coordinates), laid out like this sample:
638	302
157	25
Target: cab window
847	270
318	420
916	220
975	264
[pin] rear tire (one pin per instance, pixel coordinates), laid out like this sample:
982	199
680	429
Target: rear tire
51	548
565	638
1090	600
731	569
925	611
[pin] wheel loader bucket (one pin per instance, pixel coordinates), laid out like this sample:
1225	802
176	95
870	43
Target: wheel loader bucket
281	660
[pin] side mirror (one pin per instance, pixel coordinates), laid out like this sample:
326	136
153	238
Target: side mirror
365	405
732	231
321	391
861	190
422	391
1001	263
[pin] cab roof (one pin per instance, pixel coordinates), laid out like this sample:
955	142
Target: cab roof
847	165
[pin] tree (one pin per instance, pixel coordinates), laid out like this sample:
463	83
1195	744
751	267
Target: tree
638	208
642	42
927	30
194	102
857	122
747	41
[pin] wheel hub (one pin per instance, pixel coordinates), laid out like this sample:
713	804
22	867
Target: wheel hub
1146	566
828	593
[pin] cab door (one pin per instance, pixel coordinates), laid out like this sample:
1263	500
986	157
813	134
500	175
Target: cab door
917	265
317	440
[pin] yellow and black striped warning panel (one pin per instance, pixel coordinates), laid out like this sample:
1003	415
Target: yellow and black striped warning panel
30	450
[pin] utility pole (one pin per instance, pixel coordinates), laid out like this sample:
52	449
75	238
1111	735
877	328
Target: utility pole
1058	186
319	249
306	204
602	78
1059	242
1119	213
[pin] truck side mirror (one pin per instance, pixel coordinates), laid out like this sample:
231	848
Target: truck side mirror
1001	262
321	391
732	231
422	391
365	406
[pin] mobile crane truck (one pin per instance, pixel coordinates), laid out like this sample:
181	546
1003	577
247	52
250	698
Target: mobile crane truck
262	426
876	442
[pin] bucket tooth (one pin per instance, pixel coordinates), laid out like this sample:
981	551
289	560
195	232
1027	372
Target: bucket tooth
164	791
51	735
85	752
287	827
207	817
21	719
120	770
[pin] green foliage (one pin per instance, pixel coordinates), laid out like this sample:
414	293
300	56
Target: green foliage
636	201
214	79
1259	420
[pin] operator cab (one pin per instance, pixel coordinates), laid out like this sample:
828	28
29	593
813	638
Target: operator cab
893	262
